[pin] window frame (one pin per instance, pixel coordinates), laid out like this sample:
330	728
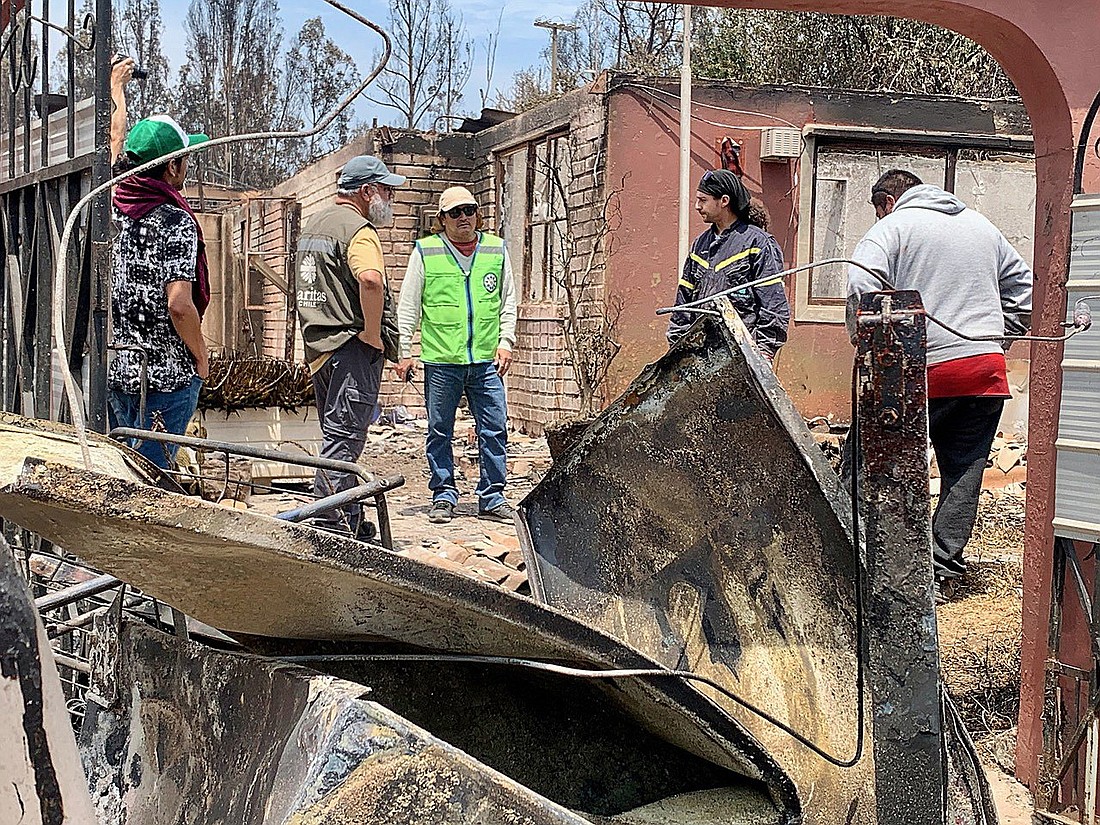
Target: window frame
817	137
549	292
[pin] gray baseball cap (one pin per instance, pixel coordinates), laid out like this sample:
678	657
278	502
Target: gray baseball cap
366	169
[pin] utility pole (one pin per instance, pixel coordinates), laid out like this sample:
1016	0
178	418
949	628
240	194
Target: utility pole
684	222
554	29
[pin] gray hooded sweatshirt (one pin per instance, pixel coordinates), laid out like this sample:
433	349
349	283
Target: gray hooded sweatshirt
966	271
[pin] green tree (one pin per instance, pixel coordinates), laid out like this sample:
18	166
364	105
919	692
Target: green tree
873	53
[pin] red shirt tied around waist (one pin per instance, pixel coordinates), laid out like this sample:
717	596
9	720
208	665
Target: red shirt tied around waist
977	375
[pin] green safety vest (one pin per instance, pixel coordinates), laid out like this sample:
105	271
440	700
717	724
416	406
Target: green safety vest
460	317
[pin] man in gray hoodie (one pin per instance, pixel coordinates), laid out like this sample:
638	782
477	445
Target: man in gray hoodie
971	278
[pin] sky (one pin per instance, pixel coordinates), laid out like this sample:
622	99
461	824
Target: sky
521	44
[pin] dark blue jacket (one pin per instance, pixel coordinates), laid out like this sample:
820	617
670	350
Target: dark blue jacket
717	262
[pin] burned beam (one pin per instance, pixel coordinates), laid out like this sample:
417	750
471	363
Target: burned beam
900	630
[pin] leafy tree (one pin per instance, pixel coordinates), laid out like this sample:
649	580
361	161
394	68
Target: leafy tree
756	46
879	53
319	74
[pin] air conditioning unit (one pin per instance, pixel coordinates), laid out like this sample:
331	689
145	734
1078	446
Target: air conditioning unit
780	143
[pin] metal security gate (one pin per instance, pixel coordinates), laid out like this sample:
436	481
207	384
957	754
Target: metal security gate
53	148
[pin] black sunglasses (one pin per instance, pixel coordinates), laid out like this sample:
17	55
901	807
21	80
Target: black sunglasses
468	210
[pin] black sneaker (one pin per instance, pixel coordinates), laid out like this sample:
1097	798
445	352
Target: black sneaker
441	512
502	513
946	590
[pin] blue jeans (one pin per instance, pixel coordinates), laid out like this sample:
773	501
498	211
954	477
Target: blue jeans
444	386
176	409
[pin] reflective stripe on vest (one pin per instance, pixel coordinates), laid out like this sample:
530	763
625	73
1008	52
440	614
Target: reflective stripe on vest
460	319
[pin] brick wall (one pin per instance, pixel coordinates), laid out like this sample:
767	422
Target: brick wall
541	386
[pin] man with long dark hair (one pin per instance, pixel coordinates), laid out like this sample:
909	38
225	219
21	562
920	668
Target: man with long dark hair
160	289
734	250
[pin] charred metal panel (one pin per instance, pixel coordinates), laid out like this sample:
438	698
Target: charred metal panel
251	574
41	782
697	521
902	644
201	736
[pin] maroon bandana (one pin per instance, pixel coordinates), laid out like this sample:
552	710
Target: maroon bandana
136	197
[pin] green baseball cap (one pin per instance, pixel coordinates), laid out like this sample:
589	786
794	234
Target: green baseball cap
157	136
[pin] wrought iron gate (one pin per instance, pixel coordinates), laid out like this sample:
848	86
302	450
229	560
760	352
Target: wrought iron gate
54	148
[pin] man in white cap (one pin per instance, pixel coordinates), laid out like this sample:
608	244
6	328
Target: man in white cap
340	291
459	290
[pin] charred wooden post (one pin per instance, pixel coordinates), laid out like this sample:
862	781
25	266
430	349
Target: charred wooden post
900	633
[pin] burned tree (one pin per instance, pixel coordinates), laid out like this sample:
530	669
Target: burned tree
577	255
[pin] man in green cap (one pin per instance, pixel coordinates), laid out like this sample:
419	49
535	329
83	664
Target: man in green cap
159	290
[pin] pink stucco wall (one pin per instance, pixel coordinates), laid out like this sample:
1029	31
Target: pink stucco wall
1049	51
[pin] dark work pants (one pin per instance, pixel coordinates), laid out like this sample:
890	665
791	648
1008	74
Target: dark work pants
961	431
346	392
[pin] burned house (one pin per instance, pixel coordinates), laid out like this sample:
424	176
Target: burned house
583	189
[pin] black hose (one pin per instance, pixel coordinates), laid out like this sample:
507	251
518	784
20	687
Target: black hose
1083	144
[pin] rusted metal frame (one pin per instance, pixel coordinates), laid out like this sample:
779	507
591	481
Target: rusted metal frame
43	266
44	106
1052	715
70	67
11	81
26	94
99	222
78	271
901	633
293	228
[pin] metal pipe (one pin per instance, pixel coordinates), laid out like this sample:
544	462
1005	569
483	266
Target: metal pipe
71	663
57	629
210	445
84	590
341	499
684	233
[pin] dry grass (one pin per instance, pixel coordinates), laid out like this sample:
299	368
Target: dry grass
980	628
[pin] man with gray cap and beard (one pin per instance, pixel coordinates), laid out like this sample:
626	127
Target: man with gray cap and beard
341	289
733	251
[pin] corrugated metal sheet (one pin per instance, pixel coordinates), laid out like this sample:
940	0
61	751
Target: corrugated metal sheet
1076	514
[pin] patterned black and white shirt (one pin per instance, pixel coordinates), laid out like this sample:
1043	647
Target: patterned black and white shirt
148	255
